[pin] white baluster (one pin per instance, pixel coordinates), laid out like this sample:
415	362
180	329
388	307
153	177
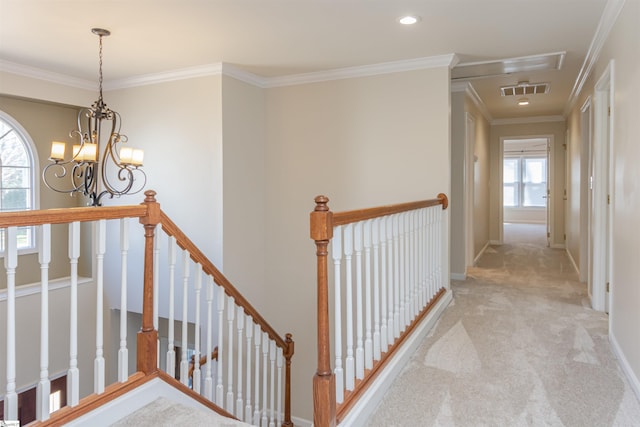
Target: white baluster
10	264
272	382
184	362
219	385
249	335
401	271
208	380
230	318
384	341
440	248
412	265
404	270
73	374
240	318
280	361
123	353
98	366
171	348
357	247
368	341
434	284
44	385
156	286
196	379
336	253
396	276
350	372
390	281
375	238
421	258
256	389
265	352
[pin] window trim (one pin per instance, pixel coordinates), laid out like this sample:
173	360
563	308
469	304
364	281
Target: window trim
34	160
520	183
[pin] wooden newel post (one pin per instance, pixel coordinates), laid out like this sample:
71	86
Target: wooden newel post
147	352
288	353
324	382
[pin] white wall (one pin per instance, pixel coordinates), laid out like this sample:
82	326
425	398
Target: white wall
362	142
456	198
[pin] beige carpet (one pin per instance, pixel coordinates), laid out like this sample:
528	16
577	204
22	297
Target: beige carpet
519	346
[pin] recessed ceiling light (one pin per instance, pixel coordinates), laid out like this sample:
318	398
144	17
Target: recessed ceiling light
408	20
523	101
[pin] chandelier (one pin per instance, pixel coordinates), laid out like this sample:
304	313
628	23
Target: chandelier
99	165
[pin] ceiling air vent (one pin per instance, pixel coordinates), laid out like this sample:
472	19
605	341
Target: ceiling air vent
524	88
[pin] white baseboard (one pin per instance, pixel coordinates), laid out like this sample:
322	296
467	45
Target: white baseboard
301	422
495	242
368	402
573	261
558	246
624	363
459	276
480	253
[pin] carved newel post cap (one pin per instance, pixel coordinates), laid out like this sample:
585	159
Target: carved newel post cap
321	204
150	196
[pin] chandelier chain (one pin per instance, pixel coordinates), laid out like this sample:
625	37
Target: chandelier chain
100	69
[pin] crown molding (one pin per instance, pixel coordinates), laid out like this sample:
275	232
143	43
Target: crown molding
467	87
48	76
524	120
609	16
449	60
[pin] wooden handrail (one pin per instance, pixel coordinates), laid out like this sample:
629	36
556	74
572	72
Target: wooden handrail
202	361
342	218
63	216
207	266
322	222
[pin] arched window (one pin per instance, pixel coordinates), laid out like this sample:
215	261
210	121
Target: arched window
18	186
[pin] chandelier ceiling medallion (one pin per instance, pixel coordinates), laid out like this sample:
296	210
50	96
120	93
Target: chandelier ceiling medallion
100	165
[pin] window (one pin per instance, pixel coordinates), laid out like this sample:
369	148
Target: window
525	182
17	183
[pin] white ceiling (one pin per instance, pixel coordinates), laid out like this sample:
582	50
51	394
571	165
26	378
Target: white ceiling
284	37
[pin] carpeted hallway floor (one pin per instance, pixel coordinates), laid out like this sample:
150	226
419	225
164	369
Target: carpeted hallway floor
518	346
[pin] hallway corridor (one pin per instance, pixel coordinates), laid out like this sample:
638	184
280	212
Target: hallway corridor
518	346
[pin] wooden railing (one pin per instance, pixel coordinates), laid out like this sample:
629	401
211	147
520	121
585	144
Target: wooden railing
256	391
401	279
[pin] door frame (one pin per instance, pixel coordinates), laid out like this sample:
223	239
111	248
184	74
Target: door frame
550	182
602	190
469	190
586	141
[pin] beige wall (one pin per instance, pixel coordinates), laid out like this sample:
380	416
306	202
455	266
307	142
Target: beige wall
362	142
44	122
481	175
554	129
456	198
622	46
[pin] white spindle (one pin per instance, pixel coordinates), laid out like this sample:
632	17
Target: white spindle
10	264
384	339
412	265
401	271
368	341
123	353
375	238
230	318
98	366
336	252
184	361
421	255
265	352
73	374
249	335
272	382
195	380
208	380
257	334
357	246
44	385
171	349
390	281
219	385
279	359
350	372
156	286
240	319
396	276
